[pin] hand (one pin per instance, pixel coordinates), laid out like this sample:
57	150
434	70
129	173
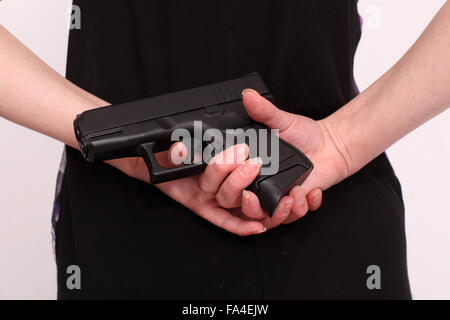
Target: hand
314	139
219	186
216	194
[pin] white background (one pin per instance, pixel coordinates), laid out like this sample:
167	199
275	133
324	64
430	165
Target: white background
29	161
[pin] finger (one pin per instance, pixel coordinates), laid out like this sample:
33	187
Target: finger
314	199
298	213
303	203
300	206
281	212
291	218
177	154
229	194
173	157
262	110
251	207
220	167
225	220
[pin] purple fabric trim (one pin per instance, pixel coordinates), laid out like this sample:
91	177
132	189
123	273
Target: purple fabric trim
57	201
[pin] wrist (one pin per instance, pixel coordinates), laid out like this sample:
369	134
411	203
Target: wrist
333	134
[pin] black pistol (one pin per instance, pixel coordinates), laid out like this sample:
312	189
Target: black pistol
144	127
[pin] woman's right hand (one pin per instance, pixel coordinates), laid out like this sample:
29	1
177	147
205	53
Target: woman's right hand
199	193
216	194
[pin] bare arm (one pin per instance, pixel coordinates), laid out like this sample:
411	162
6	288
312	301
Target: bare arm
413	91
34	95
416	89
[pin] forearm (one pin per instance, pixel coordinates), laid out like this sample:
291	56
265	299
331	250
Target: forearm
34	95
416	89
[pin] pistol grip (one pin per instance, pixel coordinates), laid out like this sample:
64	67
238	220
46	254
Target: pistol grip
293	169
159	173
270	189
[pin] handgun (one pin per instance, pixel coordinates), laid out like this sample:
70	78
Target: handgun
144	127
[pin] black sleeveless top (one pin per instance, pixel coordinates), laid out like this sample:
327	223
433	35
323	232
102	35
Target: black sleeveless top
132	241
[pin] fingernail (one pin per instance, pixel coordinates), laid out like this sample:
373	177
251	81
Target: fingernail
245	91
287	205
263	230
316	196
257	161
299	199
245	198
251	166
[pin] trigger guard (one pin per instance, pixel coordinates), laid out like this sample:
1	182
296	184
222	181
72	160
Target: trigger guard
158	173
145	150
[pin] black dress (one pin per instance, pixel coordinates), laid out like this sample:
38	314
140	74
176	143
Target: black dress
132	241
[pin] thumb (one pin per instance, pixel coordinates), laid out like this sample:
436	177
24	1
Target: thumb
263	111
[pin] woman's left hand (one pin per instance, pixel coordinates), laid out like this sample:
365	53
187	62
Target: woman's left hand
316	139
